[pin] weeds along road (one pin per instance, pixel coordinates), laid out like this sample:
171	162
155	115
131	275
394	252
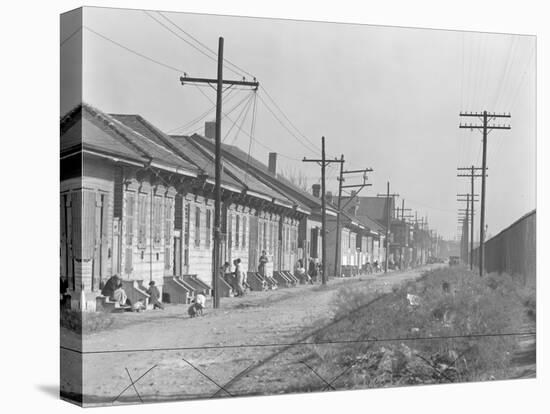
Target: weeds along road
248	346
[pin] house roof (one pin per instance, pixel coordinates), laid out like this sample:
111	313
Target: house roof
87	128
261	172
373	207
231	170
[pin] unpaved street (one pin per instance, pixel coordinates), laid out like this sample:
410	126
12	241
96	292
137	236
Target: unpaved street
201	357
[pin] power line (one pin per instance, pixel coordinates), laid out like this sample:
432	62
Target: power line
244	111
180	37
207	48
289	121
252	130
173	68
284	126
225	114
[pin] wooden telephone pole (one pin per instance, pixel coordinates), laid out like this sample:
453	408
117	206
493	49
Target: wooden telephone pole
486	128
469	200
219	82
323	162
388	222
341	180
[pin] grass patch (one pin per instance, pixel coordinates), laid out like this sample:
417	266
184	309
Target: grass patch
451	302
85	322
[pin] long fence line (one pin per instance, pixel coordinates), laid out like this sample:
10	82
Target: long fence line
513	250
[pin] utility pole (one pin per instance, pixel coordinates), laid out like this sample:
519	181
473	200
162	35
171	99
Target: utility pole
470	199
486	128
341	180
323	162
219	82
388	222
465	230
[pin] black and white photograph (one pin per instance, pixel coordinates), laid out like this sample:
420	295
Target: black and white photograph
261	206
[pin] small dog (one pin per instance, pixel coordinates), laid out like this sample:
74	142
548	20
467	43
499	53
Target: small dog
195	310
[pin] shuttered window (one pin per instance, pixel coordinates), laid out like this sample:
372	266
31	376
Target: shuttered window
89	230
244	231
187	229
237	230
63	234
157	221
142	221
129	231
265	234
208	232
260	234
197	226
274	236
76	198
168	220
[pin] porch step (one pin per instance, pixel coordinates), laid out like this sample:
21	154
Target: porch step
174	291
256	281
136	291
282	279
197	284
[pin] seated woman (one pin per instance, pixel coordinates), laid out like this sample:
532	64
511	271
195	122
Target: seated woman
110	286
119	296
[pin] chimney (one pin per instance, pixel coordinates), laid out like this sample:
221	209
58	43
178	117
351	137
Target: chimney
328	197
210	129
272	165
316	190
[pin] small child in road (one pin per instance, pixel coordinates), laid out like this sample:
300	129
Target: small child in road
200	301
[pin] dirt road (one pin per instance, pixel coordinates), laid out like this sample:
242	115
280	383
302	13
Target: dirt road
170	356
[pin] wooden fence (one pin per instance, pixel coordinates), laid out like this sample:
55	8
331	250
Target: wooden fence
513	250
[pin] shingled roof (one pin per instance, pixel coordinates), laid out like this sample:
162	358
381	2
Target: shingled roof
261	172
87	128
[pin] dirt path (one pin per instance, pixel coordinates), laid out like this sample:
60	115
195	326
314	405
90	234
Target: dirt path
206	356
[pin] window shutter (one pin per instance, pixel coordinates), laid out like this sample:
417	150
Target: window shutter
208	231
129	232
168	220
142	221
63	234
157	221
197	226
237	230
244	231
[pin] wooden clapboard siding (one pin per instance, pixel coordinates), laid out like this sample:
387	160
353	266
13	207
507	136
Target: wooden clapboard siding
145	243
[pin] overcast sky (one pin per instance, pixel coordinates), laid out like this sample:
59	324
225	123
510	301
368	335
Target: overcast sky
385	97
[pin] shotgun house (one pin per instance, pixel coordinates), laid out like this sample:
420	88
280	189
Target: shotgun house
116	206
138	203
355	244
371	240
375	211
251	212
287	230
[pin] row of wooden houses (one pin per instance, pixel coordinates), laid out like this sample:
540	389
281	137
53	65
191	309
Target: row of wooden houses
138	203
